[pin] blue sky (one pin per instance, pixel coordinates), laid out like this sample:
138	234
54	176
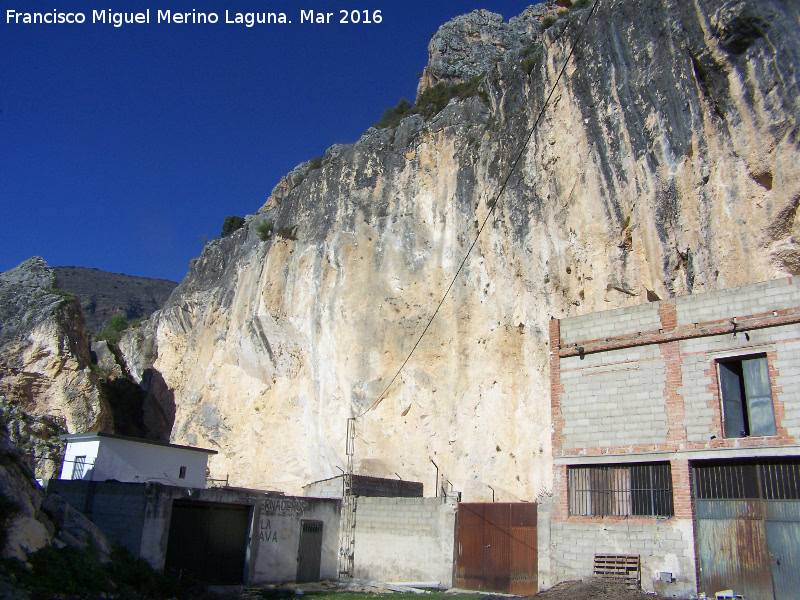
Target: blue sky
121	147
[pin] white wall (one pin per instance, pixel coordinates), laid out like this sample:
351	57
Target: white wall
86	448
137	462
405	540
126	460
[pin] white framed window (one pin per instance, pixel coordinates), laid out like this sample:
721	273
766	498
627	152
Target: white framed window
746	396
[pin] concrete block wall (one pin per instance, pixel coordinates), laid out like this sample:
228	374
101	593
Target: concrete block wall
405	540
609	324
117	508
754	299
613	398
700	387
787	367
662	547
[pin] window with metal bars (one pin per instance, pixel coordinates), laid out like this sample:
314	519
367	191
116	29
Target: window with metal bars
621	490
78	467
769	480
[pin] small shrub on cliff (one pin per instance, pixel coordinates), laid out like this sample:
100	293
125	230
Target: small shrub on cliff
264	230
231	224
394	114
433	100
112	331
548	22
581	4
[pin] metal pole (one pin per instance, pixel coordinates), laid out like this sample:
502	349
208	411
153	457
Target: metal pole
436	487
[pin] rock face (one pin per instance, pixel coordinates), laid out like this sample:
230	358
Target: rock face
104	295
45	356
665	163
31	519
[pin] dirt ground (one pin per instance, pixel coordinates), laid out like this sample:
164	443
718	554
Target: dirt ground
593	589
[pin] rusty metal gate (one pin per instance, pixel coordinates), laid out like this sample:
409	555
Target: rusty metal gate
748	528
496	548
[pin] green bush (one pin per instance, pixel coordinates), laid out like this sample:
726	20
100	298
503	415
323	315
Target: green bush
548	22
264	230
581	3
111	332
432	101
70	573
392	116
231	224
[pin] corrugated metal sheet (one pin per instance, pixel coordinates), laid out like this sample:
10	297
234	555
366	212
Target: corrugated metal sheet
496	547
732	551
783	541
748	528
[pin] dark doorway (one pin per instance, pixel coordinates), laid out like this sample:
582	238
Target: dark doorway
209	541
496	548
309	555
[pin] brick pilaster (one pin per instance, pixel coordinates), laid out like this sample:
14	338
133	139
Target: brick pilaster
556	387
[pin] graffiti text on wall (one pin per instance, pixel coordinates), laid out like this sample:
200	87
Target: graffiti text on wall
266	533
287	507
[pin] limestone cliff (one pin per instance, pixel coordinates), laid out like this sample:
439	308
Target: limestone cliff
666	163
45	355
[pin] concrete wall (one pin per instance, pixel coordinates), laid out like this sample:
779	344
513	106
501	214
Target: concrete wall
131	461
138	515
405	540
118	509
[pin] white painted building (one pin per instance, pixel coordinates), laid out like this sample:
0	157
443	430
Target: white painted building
104	456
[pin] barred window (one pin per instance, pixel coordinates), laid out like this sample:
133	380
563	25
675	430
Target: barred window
621	490
78	467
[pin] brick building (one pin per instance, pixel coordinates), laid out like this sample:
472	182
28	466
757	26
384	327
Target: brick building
676	438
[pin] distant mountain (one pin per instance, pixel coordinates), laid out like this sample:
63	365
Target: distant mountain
105	295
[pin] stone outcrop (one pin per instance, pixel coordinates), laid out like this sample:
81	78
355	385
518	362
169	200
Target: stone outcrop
45	355
30	519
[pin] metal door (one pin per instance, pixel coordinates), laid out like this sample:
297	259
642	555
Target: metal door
496	547
209	541
748	528
309	554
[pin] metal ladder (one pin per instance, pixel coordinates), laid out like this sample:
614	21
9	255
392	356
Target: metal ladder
347	528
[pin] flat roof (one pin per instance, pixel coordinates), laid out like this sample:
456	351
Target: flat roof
79	437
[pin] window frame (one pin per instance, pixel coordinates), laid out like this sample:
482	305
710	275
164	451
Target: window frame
621	490
78	467
745	393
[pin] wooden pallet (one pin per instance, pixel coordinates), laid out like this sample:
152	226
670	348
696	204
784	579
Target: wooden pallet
624	567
